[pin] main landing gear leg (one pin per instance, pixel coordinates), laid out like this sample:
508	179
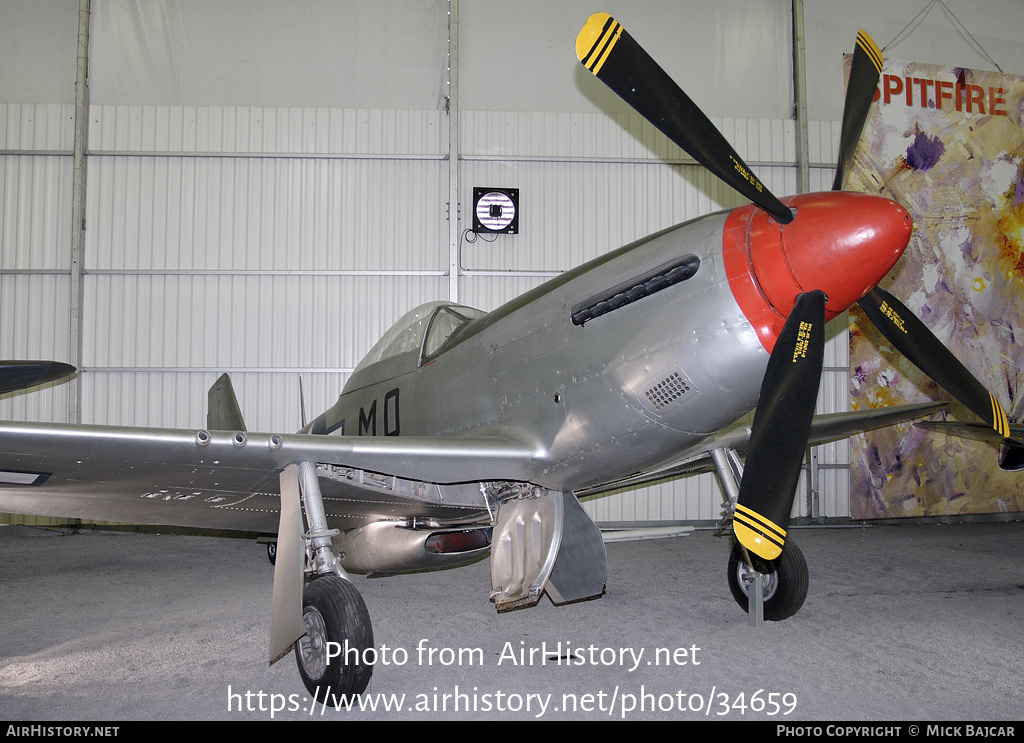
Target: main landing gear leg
332	631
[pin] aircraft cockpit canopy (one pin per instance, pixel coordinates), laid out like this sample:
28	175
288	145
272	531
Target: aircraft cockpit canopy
424	328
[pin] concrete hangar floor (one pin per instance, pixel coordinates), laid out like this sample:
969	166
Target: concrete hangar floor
902	622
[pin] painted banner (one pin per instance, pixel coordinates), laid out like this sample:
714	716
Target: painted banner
947	144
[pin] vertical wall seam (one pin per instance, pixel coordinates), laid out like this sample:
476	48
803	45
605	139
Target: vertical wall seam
78	204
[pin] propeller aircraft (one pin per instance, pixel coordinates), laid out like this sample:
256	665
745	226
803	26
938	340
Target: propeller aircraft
464	432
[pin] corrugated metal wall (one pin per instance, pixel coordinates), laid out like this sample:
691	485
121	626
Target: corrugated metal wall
35	258
266	242
280	242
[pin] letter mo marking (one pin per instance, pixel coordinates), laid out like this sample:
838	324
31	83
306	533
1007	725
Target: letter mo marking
392	421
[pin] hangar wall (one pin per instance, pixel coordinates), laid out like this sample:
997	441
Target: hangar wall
268	185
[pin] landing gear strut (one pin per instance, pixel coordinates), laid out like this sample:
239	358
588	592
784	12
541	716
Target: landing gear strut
326	621
783	580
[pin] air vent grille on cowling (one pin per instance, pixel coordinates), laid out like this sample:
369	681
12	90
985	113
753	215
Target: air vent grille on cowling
668	390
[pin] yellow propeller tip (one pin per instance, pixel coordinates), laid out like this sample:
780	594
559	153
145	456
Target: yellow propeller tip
1000	421
865	42
758	534
590	34
756	542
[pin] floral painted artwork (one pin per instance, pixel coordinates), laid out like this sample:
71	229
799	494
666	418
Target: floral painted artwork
947	144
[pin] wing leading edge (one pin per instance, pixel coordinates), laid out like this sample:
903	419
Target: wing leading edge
823	429
230	479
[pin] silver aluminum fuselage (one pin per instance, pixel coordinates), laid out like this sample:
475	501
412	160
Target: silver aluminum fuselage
624	392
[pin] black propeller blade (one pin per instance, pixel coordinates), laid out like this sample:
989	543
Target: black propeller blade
782	420
18	375
913	339
789	388
893	319
867	65
605	49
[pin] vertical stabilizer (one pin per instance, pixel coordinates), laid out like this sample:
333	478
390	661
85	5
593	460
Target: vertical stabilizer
223	413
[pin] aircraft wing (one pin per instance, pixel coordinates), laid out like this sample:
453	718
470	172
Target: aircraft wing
229	479
824	428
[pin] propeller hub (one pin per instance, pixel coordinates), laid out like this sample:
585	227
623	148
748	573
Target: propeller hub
840	243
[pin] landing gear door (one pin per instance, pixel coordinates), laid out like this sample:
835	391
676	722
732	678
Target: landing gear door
581	568
524	547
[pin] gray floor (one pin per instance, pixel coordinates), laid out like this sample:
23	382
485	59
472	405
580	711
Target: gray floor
909	622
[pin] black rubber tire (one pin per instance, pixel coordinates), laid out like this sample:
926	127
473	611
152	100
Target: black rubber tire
334	612
784	582
272	552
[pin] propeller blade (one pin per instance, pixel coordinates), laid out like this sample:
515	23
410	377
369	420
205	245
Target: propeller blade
18	375
781	425
605	49
913	339
867	65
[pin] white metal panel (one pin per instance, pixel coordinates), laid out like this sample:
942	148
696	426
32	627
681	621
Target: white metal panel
696	498
237	213
35	212
35	229
617	137
37	127
286	253
269	400
250	321
34	308
34	312
572	212
250	130
486	292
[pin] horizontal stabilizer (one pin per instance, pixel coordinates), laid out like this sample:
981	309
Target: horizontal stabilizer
20	375
1011	446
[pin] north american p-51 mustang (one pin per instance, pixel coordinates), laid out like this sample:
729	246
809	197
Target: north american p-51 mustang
464	432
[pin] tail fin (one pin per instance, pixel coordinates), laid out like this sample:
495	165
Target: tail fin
223	413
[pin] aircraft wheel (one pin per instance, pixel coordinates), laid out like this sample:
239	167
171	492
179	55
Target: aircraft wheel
783	581
333	613
272	552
